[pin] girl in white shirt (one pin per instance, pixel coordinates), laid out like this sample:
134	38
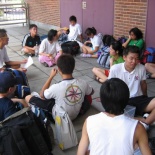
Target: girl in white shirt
96	42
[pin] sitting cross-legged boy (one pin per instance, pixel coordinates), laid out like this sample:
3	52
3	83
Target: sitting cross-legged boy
4	59
111	132
134	75
7	88
31	40
50	49
69	93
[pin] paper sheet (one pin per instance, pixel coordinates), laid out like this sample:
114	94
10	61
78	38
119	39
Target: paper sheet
29	62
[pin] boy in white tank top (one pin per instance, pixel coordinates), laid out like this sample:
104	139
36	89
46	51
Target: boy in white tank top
111	132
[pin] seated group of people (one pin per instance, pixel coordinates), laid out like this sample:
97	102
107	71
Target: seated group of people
124	84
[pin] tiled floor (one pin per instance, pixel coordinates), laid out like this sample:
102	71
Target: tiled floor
37	75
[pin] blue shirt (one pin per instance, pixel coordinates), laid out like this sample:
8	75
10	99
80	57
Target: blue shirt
7	108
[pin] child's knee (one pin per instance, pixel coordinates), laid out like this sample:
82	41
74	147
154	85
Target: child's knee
27	98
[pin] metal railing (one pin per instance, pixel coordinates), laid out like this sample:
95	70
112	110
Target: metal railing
14	13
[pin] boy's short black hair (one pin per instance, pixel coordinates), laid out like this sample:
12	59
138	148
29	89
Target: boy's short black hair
51	34
2	33
90	31
32	25
66	64
114	94
72	18
131	49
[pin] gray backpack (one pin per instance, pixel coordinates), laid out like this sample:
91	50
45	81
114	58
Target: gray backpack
65	132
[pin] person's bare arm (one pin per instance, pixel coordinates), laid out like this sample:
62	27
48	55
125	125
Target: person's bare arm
60	52
15	62
81	38
22	101
48	82
127	42
144	87
87	42
84	142
111	62
45	54
30	48
141	138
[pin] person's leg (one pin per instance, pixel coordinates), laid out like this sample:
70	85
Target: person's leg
47	60
56	57
151	109
150	67
28	51
100	74
86	49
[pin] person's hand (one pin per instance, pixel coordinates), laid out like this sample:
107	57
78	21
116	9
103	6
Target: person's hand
22	70
129	37
53	72
24	61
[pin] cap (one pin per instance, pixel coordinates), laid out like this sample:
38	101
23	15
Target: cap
64	28
7	80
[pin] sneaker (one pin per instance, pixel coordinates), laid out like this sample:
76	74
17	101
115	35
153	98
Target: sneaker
85	55
145	115
45	64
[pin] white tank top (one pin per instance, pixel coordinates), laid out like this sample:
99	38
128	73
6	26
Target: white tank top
111	135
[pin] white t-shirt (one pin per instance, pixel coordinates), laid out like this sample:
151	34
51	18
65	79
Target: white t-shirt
96	42
132	79
74	32
69	94
111	135
49	48
3	57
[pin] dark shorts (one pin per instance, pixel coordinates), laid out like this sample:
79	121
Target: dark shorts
140	103
44	104
47	105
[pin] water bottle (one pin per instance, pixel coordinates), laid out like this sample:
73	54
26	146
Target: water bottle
36	50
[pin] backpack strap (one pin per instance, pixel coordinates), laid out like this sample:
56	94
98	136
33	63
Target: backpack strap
19	140
24	110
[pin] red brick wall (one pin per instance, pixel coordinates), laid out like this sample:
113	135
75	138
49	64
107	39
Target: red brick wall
129	14
45	11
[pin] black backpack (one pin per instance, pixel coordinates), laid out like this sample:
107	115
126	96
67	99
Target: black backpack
70	47
23	134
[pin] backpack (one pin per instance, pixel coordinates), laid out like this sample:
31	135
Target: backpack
122	39
70	47
22	87
148	56
23	134
104	58
65	132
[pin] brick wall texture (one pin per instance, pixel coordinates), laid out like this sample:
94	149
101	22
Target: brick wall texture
45	11
129	14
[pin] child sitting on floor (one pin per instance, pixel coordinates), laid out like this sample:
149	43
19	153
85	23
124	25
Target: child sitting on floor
111	132
69	93
96	42
50	49
7	88
116	52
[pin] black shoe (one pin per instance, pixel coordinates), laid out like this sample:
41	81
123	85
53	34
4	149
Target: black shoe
45	64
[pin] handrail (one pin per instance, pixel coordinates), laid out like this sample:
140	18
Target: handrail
10	13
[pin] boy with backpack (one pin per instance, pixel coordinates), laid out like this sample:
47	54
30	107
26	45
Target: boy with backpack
69	93
31	41
4	59
7	88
